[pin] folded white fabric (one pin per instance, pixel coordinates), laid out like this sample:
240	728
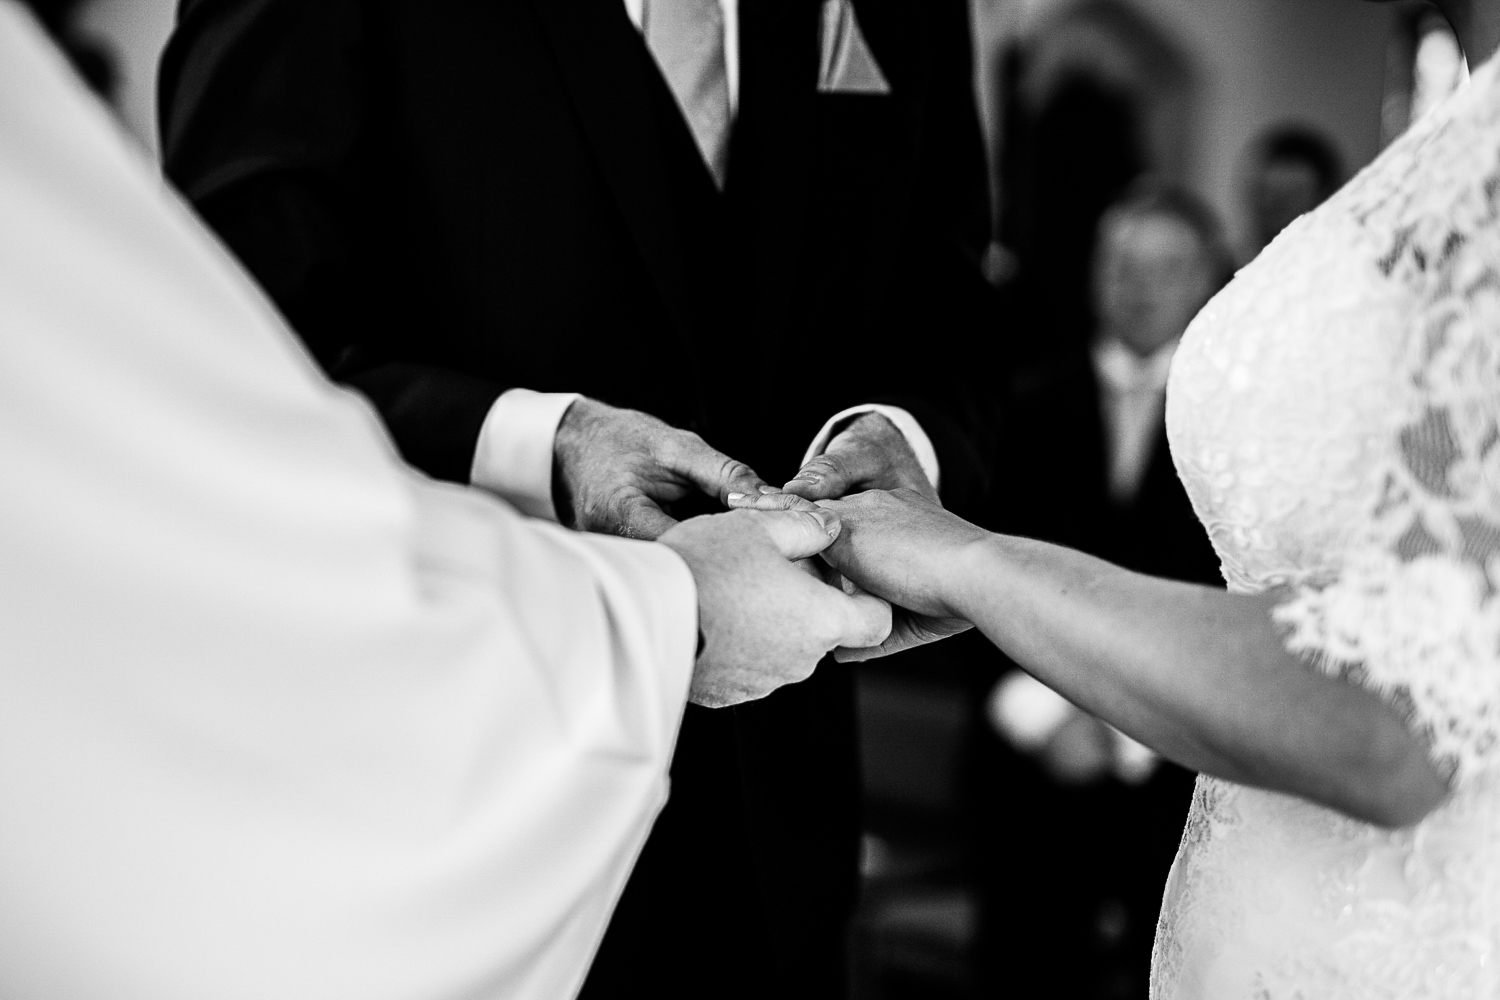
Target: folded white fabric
847	65
278	716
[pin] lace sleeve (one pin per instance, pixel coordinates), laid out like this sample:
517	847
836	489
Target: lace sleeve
1412	609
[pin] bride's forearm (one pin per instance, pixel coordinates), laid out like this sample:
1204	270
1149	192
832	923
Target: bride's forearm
1199	674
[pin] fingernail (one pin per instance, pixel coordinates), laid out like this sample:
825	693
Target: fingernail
766	490
736	496
829	519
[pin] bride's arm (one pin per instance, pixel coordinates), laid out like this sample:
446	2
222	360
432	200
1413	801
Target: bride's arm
1198	674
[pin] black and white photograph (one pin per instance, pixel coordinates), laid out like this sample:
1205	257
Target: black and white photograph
749	500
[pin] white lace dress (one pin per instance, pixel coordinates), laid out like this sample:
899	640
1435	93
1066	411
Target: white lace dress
1335	416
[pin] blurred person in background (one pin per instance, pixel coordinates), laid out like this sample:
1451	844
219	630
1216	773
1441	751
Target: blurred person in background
1290	170
1063	165
1079	823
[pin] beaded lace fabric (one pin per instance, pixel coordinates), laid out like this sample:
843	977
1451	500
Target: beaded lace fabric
1335	416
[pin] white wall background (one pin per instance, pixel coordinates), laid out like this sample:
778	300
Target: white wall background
135	31
1259	61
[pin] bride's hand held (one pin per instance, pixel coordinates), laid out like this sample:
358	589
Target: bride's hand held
903	547
911	551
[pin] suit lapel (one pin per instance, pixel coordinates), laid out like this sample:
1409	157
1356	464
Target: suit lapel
604	64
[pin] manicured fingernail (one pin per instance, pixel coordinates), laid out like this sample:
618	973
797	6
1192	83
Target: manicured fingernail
736	496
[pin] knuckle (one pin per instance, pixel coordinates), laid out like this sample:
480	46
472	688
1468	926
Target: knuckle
731	469
687	442
786	502
825	462
662	449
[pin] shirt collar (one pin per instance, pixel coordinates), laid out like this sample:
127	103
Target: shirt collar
1122	370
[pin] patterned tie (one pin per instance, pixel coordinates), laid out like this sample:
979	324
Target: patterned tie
687	38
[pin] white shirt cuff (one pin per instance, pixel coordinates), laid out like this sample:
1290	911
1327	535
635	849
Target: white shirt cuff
513	459
907	424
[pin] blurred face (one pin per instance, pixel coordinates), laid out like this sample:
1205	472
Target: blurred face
1151	276
1282	191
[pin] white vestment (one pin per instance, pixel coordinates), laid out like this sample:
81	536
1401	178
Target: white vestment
279	718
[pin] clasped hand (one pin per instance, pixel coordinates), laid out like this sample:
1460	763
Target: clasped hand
767	611
765	620
870	476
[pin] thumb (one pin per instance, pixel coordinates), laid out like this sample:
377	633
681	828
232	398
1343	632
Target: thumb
826	477
798	534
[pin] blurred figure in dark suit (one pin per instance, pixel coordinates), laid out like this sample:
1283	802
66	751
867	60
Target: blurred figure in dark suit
745	219
1290	170
1063	165
1079	824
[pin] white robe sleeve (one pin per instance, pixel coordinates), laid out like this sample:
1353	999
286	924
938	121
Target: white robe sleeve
278	717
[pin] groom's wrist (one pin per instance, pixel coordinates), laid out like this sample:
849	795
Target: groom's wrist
513	457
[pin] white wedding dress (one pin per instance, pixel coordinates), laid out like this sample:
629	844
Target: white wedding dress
1335	416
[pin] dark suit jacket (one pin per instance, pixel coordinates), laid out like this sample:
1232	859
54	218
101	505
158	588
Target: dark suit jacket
1074	875
451	197
1056	443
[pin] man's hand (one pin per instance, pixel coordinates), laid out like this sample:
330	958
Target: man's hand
908	629
901	546
766	622
868	454
614	469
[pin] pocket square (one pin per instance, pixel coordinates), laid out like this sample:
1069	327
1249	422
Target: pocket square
848	66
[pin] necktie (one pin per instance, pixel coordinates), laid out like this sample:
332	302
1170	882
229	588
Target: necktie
687	39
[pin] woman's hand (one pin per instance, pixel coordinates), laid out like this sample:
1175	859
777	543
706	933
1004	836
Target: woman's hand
901	546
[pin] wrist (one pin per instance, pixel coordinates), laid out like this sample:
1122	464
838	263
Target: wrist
870	422
568	444
879	431
573	428
976	567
